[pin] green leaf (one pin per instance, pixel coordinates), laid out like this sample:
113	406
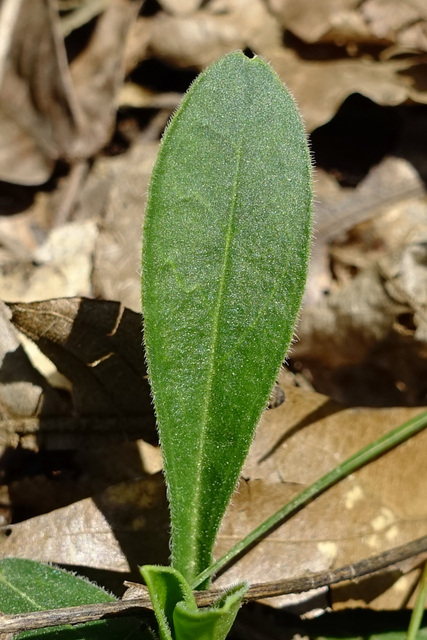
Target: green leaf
225	250
167	587
30	586
212	623
176	610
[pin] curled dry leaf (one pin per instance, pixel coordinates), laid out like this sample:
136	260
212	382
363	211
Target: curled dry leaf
48	111
365	342
97	345
404	24
222	26
312	21
374	21
24	393
320	87
390	184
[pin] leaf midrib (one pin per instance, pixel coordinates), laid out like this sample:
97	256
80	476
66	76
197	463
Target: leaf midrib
214	344
21	593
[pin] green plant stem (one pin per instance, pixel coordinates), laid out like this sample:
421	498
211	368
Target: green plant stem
418	611
356	461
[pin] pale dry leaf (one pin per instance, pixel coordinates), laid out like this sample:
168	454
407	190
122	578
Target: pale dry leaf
180	7
321	87
133	95
405	277
203	37
48	112
381	22
404	23
118	530
136	45
82	13
376	508
23	390
35	82
365	342
117	259
313	21
393	182
60	267
97	345
9	11
97	74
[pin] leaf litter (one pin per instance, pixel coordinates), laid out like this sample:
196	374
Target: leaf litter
362	334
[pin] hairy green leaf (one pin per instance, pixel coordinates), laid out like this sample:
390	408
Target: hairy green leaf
211	623
166	587
176	610
31	586
225	249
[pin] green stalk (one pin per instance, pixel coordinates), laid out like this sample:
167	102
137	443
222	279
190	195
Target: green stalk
356	461
420	604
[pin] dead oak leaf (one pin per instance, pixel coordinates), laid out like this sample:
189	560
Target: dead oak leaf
204	36
379	507
97	346
320	87
49	110
124	526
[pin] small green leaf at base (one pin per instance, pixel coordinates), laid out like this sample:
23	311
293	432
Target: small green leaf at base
212	623
31	586
176	610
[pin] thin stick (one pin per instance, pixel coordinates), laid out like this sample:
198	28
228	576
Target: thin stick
140	604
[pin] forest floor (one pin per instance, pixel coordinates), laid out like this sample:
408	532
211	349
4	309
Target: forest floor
82	111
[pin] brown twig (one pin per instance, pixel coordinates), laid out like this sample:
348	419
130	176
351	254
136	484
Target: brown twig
138	604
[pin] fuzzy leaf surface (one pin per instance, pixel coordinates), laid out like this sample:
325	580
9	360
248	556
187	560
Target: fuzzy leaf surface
225	250
177	614
31	586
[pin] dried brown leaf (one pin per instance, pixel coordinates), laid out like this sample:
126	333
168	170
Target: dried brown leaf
382	22
123	527
366	341
375	509
203	37
97	345
404	23
97	74
35	84
180	7
320	87
61	266
392	183
117	258
312	21
379	507
46	112
23	390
